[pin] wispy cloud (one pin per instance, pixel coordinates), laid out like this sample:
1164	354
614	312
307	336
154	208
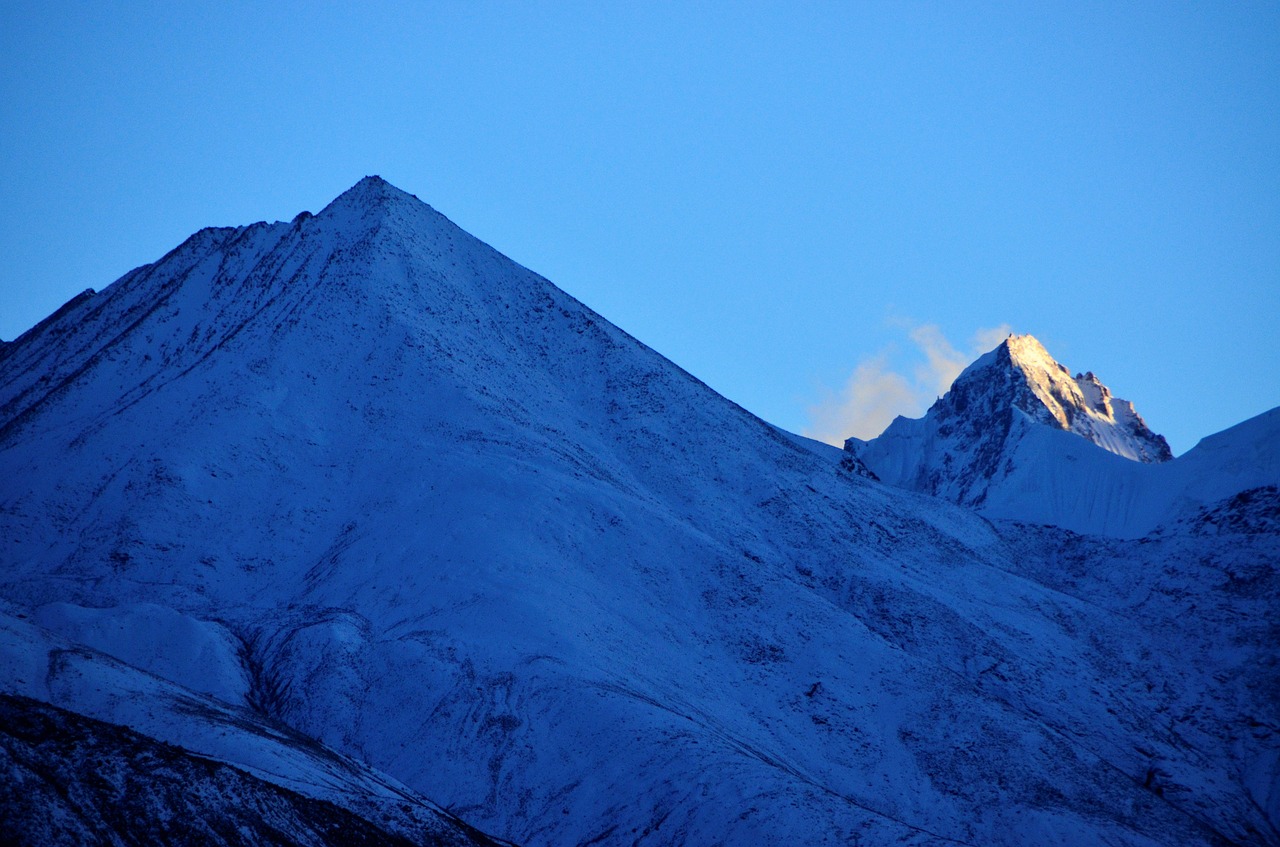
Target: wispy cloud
877	392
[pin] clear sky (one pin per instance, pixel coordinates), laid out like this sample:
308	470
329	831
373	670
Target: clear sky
821	210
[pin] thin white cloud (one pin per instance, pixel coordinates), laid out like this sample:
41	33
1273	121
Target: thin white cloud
943	362
876	392
873	396
986	340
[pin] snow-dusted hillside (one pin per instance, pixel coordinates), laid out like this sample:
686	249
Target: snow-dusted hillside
363	474
1017	437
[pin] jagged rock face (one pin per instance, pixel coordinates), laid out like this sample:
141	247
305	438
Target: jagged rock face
1122	429
451	521
1023	375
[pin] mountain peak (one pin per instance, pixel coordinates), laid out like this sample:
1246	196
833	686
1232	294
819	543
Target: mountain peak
1046	391
967	441
370	193
1026	353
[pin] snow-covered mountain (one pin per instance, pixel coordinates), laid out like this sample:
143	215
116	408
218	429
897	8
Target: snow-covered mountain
366	479
1018	437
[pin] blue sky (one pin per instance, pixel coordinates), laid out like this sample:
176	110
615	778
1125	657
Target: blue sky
797	205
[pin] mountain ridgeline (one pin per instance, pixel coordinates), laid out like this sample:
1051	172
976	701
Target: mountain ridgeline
353	522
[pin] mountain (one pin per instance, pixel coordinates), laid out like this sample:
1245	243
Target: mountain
366	480
1016	437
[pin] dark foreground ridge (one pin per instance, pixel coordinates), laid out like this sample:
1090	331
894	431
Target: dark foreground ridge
66	779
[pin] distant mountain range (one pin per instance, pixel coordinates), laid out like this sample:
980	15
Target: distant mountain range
359	532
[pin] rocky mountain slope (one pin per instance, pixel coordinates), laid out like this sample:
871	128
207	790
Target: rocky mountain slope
370	480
